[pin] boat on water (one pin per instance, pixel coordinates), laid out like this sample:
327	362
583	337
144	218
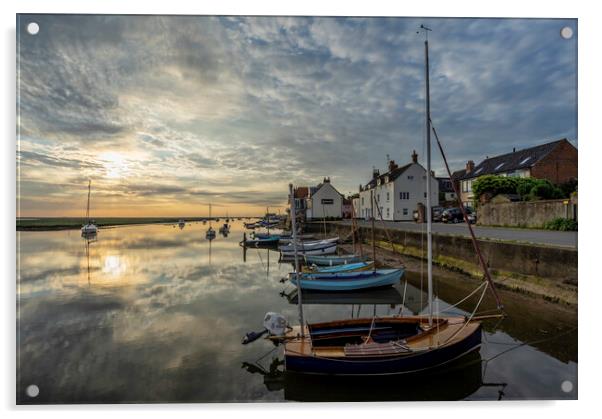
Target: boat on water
325	249
268	241
382	296
224	229
347	281
308	245
210	234
181	224
384	345
333	260
349	267
89	228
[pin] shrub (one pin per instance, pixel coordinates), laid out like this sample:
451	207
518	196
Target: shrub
494	185
561	224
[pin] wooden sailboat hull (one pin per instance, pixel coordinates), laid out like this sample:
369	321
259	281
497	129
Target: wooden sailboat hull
302	358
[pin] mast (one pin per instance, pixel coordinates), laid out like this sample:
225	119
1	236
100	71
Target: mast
210	216
294	227
429	226
88	206
373	242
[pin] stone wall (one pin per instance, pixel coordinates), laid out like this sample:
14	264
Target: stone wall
557	264
525	213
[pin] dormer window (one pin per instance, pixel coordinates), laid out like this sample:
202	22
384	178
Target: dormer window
525	160
499	166
386	179
378	182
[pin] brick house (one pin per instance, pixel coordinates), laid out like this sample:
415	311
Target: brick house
555	161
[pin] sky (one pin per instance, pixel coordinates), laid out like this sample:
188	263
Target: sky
166	114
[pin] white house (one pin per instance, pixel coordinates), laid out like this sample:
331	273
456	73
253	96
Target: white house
397	192
324	201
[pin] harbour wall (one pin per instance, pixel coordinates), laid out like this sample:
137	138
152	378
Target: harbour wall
532	214
555	264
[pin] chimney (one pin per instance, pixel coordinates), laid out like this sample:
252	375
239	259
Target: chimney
375	173
326	180
414	157
514	149
392	165
469	166
432	173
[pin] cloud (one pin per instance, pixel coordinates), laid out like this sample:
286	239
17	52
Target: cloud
210	106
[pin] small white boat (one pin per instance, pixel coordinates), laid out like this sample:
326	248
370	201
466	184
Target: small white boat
89	228
210	234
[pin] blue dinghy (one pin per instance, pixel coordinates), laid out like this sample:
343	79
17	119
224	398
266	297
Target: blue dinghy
348	281
349	267
333	260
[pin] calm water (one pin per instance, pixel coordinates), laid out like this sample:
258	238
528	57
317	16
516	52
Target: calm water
156	314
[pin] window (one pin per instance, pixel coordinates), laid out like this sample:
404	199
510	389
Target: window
410	177
405	211
466	185
362	200
499	166
386	179
327	201
479	170
387	212
387	196
378	198
404	195
425	194
525	160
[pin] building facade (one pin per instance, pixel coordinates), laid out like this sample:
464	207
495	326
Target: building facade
324	201
555	161
397	192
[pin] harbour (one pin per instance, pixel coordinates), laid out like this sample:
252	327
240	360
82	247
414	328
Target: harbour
152	311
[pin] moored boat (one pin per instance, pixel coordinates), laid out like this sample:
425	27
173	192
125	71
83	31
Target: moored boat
89	229
349	267
333	260
348	281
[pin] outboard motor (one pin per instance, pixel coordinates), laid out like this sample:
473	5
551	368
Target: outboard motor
273	323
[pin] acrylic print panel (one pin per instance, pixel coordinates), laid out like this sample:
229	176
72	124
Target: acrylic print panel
154	159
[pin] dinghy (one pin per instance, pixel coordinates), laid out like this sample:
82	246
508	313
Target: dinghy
349	267
326	249
333	260
348	281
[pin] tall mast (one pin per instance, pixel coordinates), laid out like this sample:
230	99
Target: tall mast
294	227
373	241
88	206
429	227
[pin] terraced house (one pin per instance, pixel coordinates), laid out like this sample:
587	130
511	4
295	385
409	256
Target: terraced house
555	161
397	192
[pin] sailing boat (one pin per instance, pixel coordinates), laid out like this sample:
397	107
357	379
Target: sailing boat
383	345
89	228
210	234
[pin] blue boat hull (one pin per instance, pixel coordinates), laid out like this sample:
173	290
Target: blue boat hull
352	281
333	260
386	365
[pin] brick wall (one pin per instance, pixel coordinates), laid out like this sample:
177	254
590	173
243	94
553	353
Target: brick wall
559	166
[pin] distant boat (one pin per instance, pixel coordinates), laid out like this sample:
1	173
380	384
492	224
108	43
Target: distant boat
89	228
210	234
225	229
181	224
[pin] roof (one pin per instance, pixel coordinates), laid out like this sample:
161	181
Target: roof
393	174
301	192
458	174
521	159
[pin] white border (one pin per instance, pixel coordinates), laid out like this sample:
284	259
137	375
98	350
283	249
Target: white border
590	215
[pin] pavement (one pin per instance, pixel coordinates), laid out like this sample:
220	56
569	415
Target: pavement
567	239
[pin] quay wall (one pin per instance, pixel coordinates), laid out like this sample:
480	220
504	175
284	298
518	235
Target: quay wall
525	214
558	264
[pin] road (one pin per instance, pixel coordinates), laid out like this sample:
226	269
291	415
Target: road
546	237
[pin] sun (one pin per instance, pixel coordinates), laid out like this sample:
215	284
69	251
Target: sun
115	164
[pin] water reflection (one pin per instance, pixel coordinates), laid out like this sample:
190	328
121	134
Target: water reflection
156	313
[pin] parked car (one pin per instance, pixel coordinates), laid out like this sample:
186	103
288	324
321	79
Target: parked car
454	215
437	213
